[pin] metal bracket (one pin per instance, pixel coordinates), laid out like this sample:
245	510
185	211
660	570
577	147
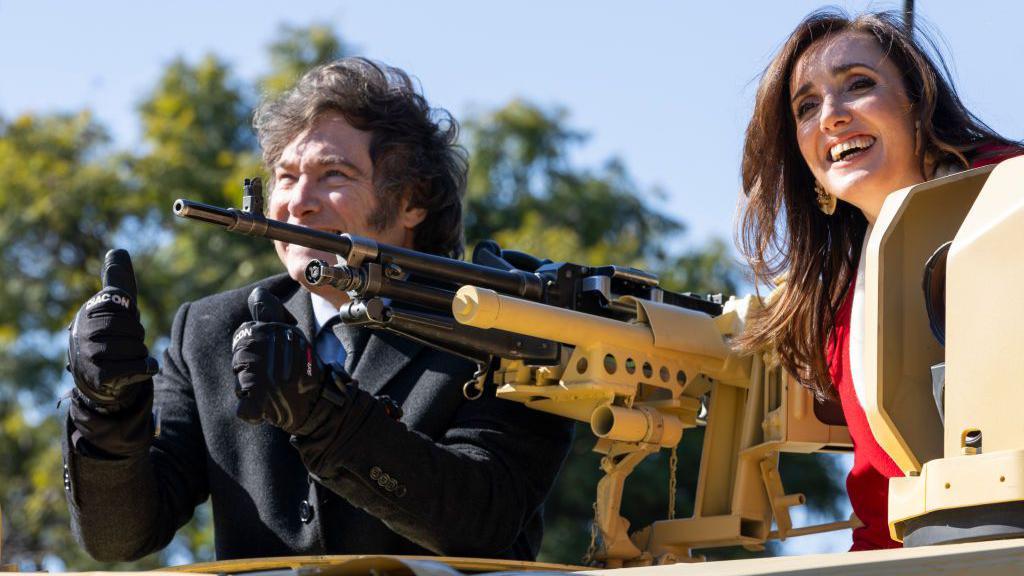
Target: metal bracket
778	499
363	249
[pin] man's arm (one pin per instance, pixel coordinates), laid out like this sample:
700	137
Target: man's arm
472	489
472	492
127	500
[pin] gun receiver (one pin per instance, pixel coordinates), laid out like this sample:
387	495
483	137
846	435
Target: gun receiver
607	346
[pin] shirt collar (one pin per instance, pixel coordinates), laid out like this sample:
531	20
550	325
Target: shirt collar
323	310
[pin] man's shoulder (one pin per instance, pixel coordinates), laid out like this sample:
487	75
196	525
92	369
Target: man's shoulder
235	301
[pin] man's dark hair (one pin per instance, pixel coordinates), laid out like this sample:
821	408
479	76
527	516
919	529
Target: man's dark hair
413	147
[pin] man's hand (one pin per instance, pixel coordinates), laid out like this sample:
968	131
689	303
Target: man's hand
107	352
279	377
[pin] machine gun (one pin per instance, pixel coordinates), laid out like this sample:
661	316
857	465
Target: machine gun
602	345
411	293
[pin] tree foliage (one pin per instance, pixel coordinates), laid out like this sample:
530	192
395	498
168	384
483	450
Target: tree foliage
200	146
524	191
66	196
296	50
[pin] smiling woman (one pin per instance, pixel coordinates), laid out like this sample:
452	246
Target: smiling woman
849	111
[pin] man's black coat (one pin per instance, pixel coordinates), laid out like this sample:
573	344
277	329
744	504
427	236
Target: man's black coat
453	477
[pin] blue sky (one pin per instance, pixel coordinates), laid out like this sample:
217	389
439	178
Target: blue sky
666	86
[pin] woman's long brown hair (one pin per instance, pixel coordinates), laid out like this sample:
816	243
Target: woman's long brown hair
781	231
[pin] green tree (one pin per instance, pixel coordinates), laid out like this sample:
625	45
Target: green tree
296	50
66	197
524	192
56	202
200	146
63	201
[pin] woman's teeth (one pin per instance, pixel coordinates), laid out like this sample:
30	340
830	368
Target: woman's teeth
851	146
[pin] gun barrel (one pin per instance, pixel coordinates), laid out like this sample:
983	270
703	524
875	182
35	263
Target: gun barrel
483	308
204	212
446	334
258	225
458	272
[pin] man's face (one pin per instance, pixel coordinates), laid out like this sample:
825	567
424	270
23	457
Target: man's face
324	180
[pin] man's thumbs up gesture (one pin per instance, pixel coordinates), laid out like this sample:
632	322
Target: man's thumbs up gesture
106	349
280	377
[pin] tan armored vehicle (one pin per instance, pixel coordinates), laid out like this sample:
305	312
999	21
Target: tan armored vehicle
942	257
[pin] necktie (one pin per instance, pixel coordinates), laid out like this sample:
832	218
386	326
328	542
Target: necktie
353	340
328	347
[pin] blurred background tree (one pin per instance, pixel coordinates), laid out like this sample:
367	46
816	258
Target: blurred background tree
66	196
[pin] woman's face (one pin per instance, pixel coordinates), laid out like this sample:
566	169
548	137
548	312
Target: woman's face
854	123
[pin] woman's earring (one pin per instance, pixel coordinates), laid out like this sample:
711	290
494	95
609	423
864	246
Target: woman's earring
826	201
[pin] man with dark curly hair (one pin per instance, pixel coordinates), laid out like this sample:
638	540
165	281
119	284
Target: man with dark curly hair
251	406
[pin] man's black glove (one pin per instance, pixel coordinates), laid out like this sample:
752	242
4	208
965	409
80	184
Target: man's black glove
107	353
279	376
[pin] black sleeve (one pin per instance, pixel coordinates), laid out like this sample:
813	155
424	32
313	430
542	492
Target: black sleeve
124	507
470	493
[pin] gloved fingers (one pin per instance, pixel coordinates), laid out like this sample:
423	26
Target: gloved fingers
118	362
253	359
114	347
115	334
111	302
263	332
118	272
124	372
244	381
278	350
243	335
250	389
258	357
265	307
106	346
277	372
250	362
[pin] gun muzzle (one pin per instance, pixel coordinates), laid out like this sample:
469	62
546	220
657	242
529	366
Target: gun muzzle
345	278
205	213
643	424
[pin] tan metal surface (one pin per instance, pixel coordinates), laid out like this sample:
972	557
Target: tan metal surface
484	308
956	482
676	328
638	384
984	361
999	558
898	345
162	571
644	424
984	347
